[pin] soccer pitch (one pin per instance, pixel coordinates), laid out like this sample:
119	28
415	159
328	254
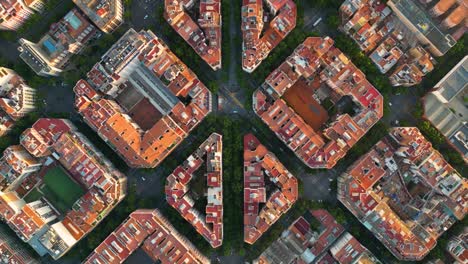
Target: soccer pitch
60	189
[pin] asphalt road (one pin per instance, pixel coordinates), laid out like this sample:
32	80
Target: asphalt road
401	108
144	13
58	98
9	50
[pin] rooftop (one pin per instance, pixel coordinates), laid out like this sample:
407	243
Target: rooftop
203	36
16	97
12	250
445	107
157	75
454	82
458	247
256	43
107	15
14	13
405	193
54	49
421	20
58	139
304	242
330	75
210	224
160	240
260	209
389	39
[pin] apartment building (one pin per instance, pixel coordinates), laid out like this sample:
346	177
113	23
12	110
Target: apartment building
154	233
458	247
6	123
291	98
445	107
141	99
204	36
16	98
400	36
12	250
51	55
405	193
412	68
15	165
34	217
107	15
260	39
14	13
56	141
210	224
316	237
264	203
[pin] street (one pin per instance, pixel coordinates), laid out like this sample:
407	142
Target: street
57	98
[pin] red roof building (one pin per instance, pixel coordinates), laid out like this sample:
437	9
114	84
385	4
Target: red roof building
16	99
141	99
15	165
385	37
405	193
257	44
260	211
204	36
289	102
328	243
158	238
107	15
50	140
210	225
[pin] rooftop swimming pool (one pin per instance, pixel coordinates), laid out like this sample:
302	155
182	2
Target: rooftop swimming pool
74	21
49	46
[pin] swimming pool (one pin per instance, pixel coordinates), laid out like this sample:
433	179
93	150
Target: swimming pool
49	45
74	21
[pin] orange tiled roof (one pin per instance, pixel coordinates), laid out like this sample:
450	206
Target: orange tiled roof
106	186
210	226
159	238
315	149
138	147
258	164
391	177
257	46
373	26
205	36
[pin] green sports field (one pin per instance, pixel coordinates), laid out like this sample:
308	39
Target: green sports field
60	189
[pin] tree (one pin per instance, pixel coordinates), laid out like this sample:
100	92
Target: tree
333	21
431	133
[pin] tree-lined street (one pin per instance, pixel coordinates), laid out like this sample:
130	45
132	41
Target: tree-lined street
233	118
